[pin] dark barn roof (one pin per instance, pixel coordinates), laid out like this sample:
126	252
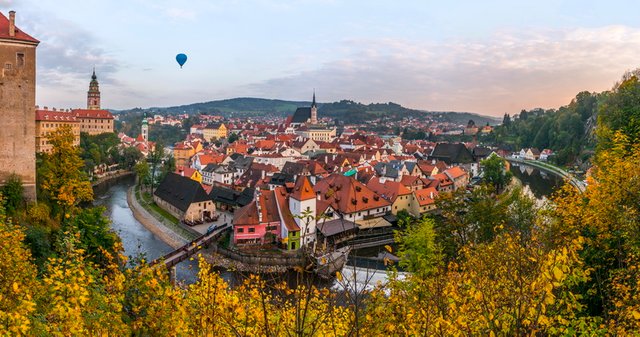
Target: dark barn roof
452	153
180	191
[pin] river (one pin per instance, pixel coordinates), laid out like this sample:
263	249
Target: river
137	241
540	183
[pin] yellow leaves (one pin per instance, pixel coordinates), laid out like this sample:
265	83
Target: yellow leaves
557	274
16	287
388	248
635	314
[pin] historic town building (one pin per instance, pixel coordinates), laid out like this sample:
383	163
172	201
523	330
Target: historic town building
50	120
17	104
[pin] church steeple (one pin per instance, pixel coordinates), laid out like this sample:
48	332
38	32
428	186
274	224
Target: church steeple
93	95
313	103
314	109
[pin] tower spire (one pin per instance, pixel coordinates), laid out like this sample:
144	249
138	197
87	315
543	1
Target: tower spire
314	98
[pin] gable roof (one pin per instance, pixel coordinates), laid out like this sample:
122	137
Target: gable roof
180	191
302	115
19	34
285	213
426	196
98	114
452	153
347	195
390	190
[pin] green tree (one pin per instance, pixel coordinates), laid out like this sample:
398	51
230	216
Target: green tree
233	137
495	173
155	160
418	251
12	192
130	156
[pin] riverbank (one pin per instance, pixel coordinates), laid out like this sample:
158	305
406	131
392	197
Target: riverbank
111	176
152	224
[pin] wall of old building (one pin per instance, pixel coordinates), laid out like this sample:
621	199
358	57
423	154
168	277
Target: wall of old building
17	110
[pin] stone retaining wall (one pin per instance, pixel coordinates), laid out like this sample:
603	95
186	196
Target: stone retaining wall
152	224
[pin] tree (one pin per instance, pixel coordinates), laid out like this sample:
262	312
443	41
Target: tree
60	174
143	172
417	248
233	137
155	159
495	172
13	191
130	156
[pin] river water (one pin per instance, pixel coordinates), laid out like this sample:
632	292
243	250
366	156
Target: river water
540	183
137	241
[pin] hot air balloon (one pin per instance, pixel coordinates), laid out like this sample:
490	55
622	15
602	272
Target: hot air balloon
181	58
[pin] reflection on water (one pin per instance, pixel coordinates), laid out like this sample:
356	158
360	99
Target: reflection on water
540	183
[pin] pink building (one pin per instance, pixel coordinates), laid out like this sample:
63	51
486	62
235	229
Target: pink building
257	222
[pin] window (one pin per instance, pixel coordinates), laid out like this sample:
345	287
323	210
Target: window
293	245
8	66
240	230
252	230
19	60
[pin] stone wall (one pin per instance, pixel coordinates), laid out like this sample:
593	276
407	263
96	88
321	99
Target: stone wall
17	110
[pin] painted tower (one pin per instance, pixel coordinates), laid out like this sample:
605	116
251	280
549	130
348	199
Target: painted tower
314	110
93	95
145	130
302	204
17	104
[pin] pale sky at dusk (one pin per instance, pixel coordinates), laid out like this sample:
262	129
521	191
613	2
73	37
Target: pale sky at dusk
488	57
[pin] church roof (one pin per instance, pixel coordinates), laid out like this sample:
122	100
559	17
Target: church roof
19	35
301	115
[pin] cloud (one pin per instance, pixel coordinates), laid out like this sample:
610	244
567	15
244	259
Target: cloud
6	2
504	73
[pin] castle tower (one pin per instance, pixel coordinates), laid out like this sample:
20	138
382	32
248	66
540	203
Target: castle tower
17	104
145	130
314	110
93	95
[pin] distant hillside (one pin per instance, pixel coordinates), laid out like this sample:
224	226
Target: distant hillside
345	111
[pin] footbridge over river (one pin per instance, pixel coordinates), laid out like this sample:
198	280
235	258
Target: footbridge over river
581	186
171	259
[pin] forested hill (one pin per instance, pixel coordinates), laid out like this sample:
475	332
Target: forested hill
568	131
345	110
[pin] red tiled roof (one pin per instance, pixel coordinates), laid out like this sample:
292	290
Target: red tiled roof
426	196
303	189
390	190
281	198
20	35
55	116
86	113
348	195
455	172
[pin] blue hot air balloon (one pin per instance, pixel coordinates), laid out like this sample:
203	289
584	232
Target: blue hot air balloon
181	58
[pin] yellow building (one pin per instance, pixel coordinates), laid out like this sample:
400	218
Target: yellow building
182	153
94	122
215	132
190	173
50	120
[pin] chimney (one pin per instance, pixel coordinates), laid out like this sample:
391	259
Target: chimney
431	195
12	23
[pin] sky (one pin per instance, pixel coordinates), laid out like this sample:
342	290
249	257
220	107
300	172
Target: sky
488	57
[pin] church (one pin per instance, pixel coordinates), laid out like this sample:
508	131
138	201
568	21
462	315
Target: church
305	123
305	115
